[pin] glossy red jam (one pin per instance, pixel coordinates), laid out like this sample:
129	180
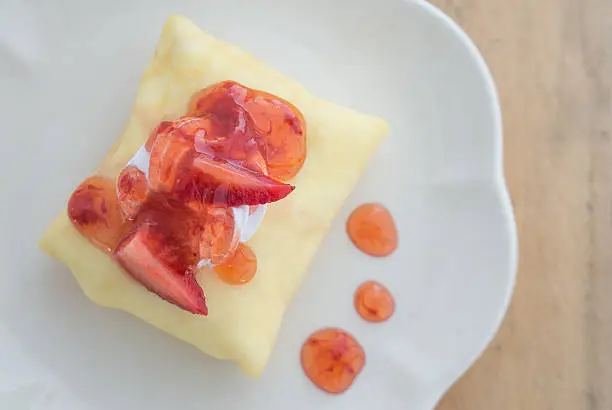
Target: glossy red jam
279	125
372	229
374	302
332	359
239	268
95	211
234	147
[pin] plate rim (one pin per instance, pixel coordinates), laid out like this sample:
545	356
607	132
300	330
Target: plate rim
508	274
501	191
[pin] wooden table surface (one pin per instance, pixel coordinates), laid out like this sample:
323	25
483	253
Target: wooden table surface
552	62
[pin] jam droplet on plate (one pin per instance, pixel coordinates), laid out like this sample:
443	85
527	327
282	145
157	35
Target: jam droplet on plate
372	230
239	268
94	210
332	359
374	302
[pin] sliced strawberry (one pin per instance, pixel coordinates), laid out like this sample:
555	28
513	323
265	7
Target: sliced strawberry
223	183
140	255
181	225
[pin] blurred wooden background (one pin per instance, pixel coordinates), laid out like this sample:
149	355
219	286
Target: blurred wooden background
552	61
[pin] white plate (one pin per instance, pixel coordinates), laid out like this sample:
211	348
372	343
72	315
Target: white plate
68	74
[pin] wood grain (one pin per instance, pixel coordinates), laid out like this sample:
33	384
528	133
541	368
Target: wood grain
552	61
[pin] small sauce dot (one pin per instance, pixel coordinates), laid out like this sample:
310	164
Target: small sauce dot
239	268
332	359
372	230
374	302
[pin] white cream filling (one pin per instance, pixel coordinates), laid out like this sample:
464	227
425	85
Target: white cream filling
245	222
141	160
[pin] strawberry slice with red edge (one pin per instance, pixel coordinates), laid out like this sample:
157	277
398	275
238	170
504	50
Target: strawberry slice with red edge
142	254
223	183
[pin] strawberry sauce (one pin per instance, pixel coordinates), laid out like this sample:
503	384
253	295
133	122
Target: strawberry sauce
280	126
332	359
374	302
372	230
239	268
235	146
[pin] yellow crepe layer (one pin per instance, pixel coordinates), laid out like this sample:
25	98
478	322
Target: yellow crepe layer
244	320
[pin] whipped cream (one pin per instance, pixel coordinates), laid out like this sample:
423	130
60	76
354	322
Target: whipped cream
245	222
141	160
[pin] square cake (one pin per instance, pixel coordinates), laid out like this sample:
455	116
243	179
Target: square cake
242	321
